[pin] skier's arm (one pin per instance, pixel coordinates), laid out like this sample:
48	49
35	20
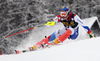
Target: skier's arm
55	20
77	19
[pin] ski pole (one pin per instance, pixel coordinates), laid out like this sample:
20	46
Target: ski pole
23	31
48	23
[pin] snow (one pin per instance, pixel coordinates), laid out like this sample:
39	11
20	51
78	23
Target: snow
81	49
84	50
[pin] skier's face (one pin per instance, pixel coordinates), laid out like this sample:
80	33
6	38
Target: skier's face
63	14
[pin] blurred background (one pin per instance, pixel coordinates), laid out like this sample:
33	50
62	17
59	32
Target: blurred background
19	15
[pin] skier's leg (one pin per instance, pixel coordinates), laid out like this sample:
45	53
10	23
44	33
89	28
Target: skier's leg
75	35
63	36
56	34
52	37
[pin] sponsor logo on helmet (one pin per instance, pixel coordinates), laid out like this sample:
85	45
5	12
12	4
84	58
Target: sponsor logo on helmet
63	7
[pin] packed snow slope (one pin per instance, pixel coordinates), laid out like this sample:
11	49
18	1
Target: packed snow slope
83	50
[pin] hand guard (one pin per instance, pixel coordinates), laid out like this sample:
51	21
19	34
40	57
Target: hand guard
91	35
50	23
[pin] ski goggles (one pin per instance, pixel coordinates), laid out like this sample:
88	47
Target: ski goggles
63	14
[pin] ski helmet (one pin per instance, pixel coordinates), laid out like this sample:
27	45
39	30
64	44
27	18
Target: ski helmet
64	12
64	8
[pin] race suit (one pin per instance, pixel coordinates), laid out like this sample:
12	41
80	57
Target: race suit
72	23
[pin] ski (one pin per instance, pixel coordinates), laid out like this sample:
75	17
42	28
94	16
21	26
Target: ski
33	48
43	46
23	51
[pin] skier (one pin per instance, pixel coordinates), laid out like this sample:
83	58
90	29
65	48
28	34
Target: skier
71	23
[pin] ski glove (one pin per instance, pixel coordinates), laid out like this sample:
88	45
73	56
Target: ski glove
50	23
91	35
